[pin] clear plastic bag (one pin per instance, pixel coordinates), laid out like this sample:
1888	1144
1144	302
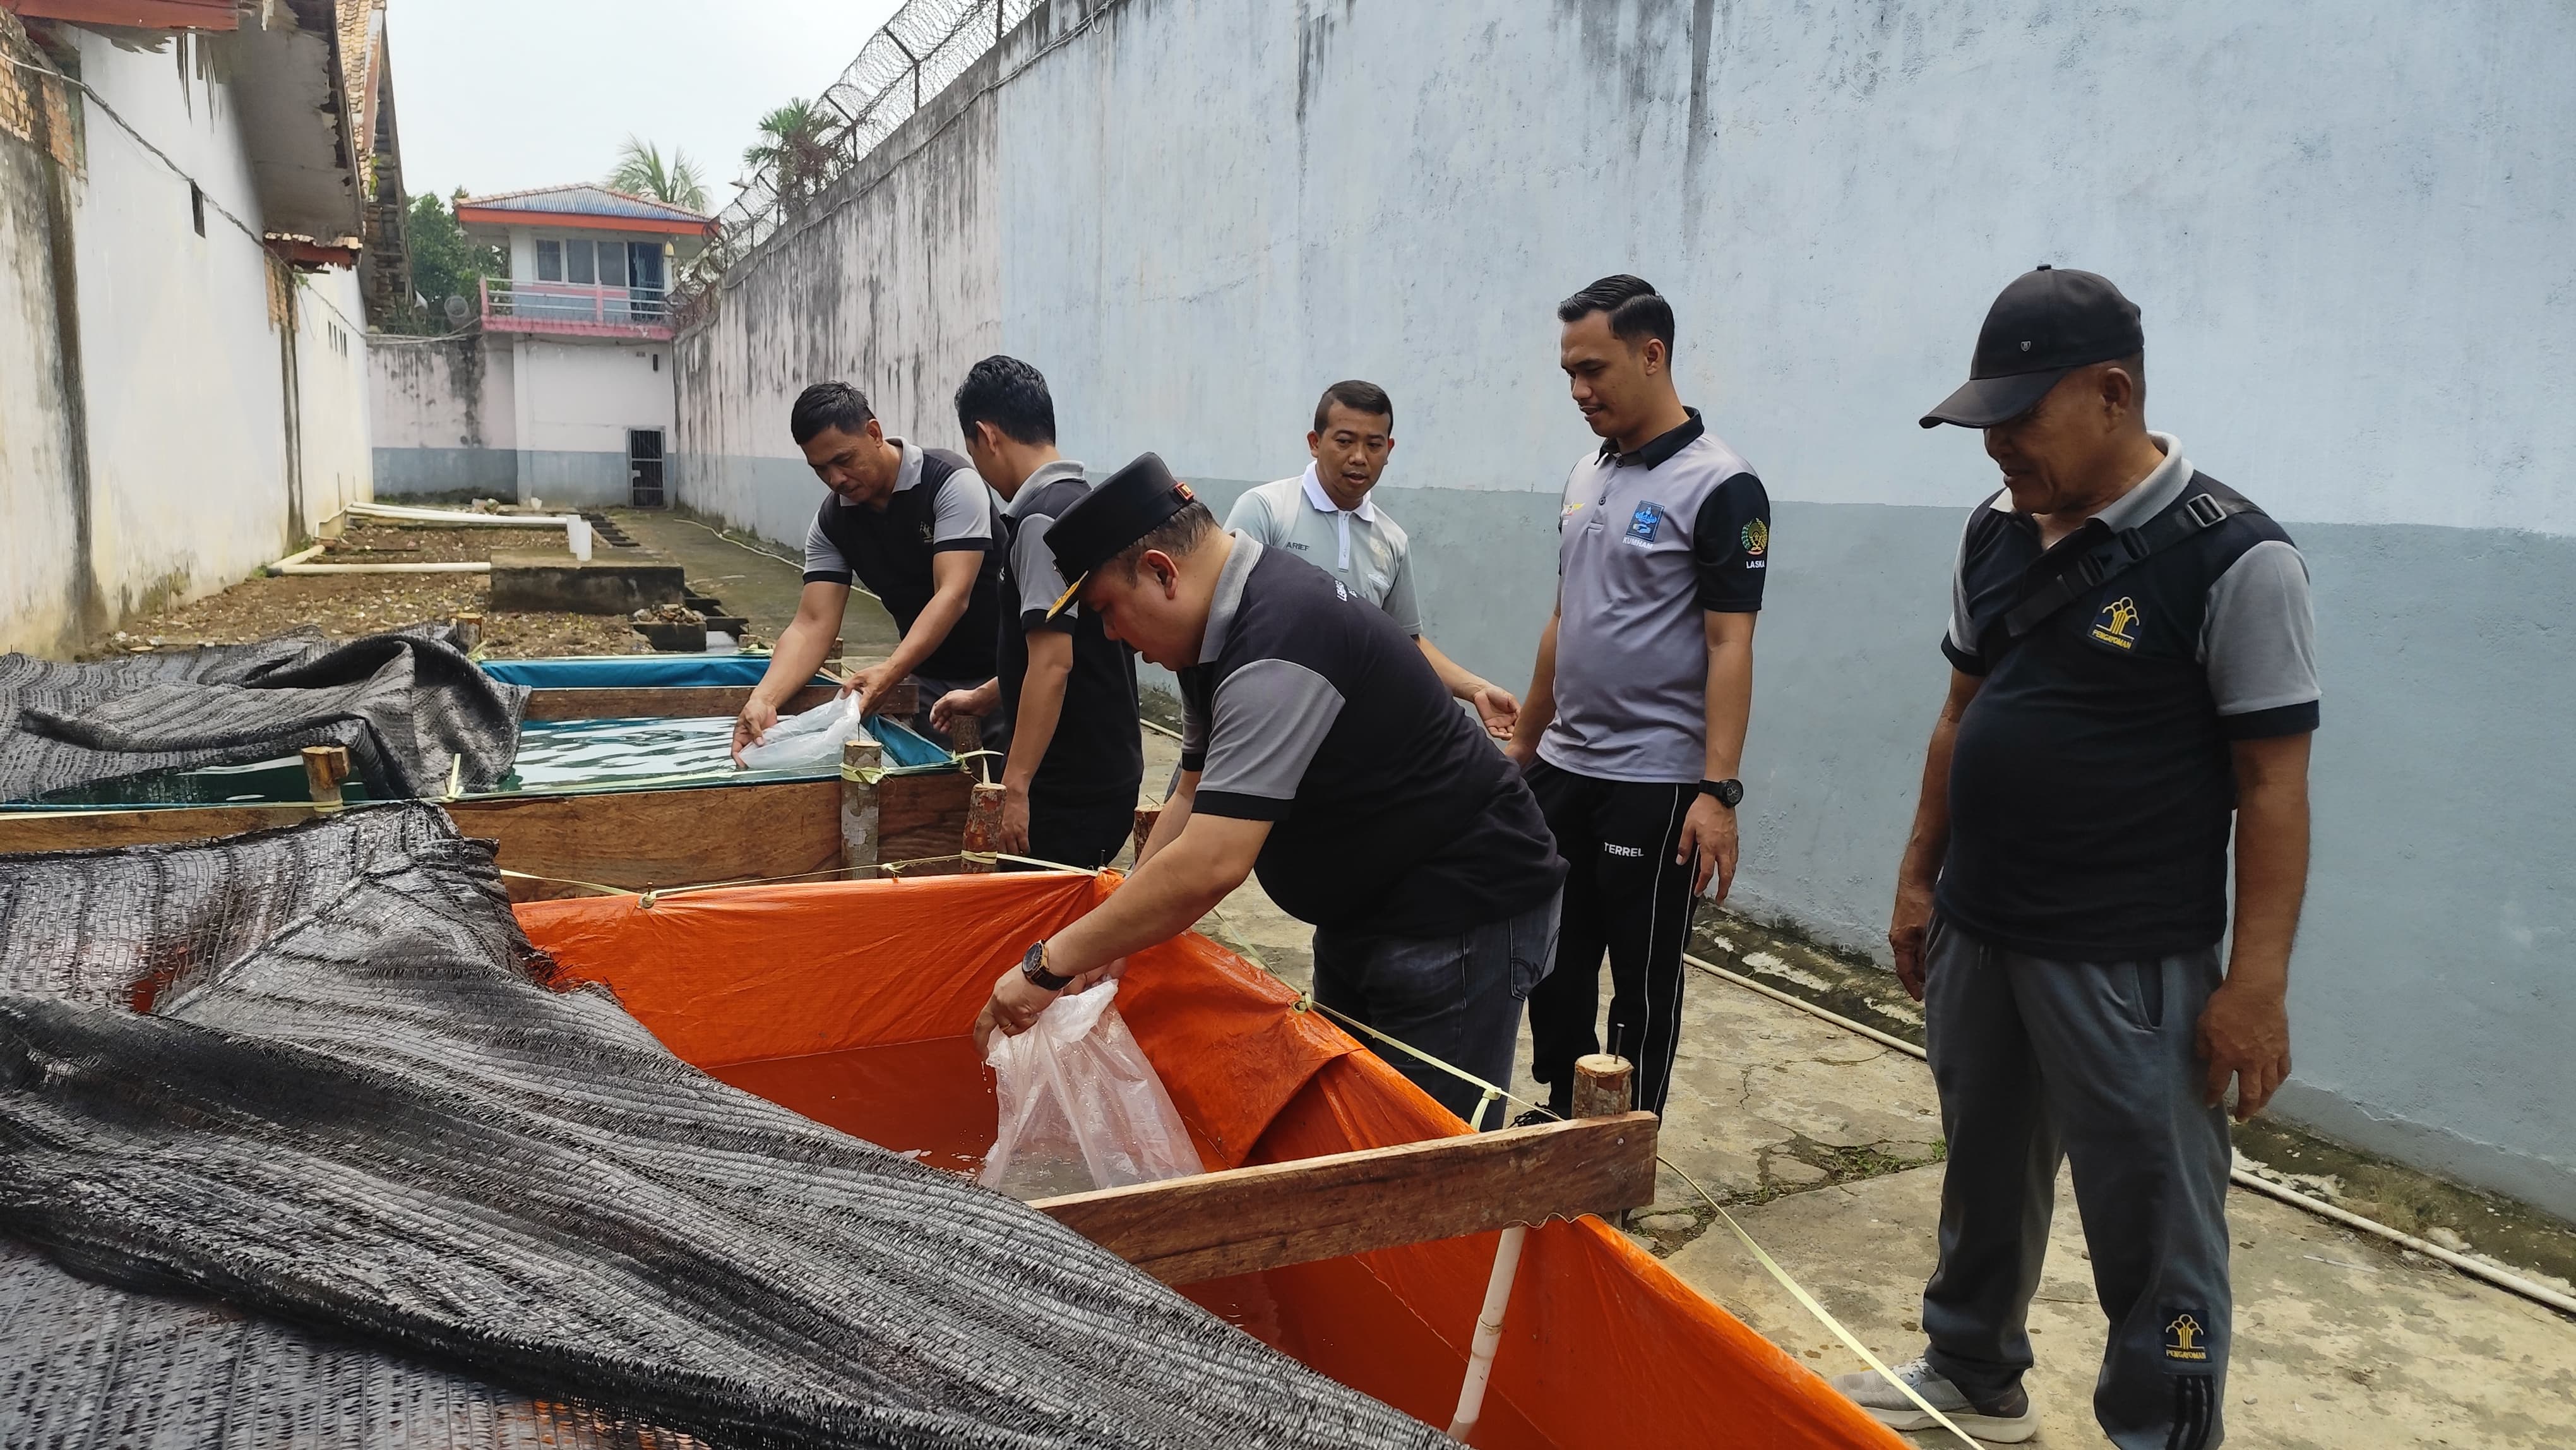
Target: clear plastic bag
1081	1108
813	738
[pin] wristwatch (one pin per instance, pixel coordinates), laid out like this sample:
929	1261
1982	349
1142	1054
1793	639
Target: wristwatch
1725	792
1033	967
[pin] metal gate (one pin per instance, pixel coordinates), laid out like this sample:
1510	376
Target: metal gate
644	467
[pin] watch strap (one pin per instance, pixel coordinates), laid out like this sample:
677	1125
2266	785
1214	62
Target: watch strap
1033	967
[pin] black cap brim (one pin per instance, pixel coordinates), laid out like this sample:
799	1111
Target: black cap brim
1985	402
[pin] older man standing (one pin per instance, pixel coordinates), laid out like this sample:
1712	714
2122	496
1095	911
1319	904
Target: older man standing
1327	518
2132	676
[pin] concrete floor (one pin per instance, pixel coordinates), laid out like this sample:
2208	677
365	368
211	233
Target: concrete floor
757	586
1826	1146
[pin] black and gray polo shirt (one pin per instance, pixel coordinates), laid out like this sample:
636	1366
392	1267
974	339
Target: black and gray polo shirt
1097	755
1393	812
2092	790
1648	543
939	503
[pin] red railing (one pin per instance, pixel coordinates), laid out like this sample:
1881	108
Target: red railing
570	307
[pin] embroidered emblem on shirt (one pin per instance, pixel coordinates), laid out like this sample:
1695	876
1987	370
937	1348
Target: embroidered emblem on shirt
2186	1340
1756	536
2114	624
1645	525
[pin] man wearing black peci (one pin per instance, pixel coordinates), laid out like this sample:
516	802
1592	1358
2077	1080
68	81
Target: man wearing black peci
1321	749
915	526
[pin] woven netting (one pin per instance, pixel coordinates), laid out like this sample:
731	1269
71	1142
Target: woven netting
478	1193
412	710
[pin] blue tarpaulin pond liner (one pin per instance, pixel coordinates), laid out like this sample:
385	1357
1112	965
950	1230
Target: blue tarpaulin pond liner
357	1173
630	672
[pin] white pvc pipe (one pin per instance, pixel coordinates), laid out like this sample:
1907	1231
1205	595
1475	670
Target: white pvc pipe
1489	1332
283	567
294	559
2502	1279
460	517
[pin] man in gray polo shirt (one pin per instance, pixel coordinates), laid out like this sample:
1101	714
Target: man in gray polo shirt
1636	712
1327	518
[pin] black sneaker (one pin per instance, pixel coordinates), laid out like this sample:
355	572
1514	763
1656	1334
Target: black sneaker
1536	1117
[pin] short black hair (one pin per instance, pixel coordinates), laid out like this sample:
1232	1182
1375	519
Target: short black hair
1636	309
1010	395
1179	536
1357	396
828	405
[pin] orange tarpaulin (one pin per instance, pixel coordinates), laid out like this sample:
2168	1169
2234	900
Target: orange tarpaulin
1601	1347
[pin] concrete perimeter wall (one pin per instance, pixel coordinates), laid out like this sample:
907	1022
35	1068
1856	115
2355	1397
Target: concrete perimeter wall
2348	225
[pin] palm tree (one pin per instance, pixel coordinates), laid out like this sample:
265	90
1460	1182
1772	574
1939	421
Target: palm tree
794	155
640	172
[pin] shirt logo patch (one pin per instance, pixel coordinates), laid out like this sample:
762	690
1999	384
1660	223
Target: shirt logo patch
1645	525
2185	1340
2114	625
1756	536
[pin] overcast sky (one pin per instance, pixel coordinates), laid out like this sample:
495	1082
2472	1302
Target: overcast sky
496	95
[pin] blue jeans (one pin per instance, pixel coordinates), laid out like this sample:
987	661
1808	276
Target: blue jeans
1457	998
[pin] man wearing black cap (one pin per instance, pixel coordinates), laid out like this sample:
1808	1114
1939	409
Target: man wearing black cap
2133	676
1319	748
913	524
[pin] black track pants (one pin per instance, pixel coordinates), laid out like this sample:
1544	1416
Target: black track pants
1623	895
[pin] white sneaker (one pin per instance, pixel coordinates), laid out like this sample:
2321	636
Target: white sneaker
2008	1421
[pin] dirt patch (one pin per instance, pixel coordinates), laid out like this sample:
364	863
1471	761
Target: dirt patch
346	606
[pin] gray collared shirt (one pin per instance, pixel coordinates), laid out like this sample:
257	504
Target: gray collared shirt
1363	547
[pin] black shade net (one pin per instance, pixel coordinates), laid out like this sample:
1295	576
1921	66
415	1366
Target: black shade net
423	1190
414	712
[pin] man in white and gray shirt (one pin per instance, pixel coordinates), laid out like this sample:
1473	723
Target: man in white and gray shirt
1327	518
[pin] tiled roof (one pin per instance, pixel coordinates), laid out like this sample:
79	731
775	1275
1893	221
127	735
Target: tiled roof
584	200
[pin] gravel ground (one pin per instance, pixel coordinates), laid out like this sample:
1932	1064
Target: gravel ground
346	606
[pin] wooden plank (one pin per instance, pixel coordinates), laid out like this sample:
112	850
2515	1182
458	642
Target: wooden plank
1212	1225
93	830
661	702
921	814
140	14
638	840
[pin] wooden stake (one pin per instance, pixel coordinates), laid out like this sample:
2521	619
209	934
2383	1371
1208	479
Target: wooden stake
861	821
325	766
983	827
966	737
1211	1225
1146	816
1602	1085
469	632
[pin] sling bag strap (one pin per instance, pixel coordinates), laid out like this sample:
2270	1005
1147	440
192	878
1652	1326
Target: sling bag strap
2115	556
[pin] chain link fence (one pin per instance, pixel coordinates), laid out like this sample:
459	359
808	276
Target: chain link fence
916	54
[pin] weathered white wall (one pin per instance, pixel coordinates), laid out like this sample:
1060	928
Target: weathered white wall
2347	223
443	416
43	582
180	338
331	374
